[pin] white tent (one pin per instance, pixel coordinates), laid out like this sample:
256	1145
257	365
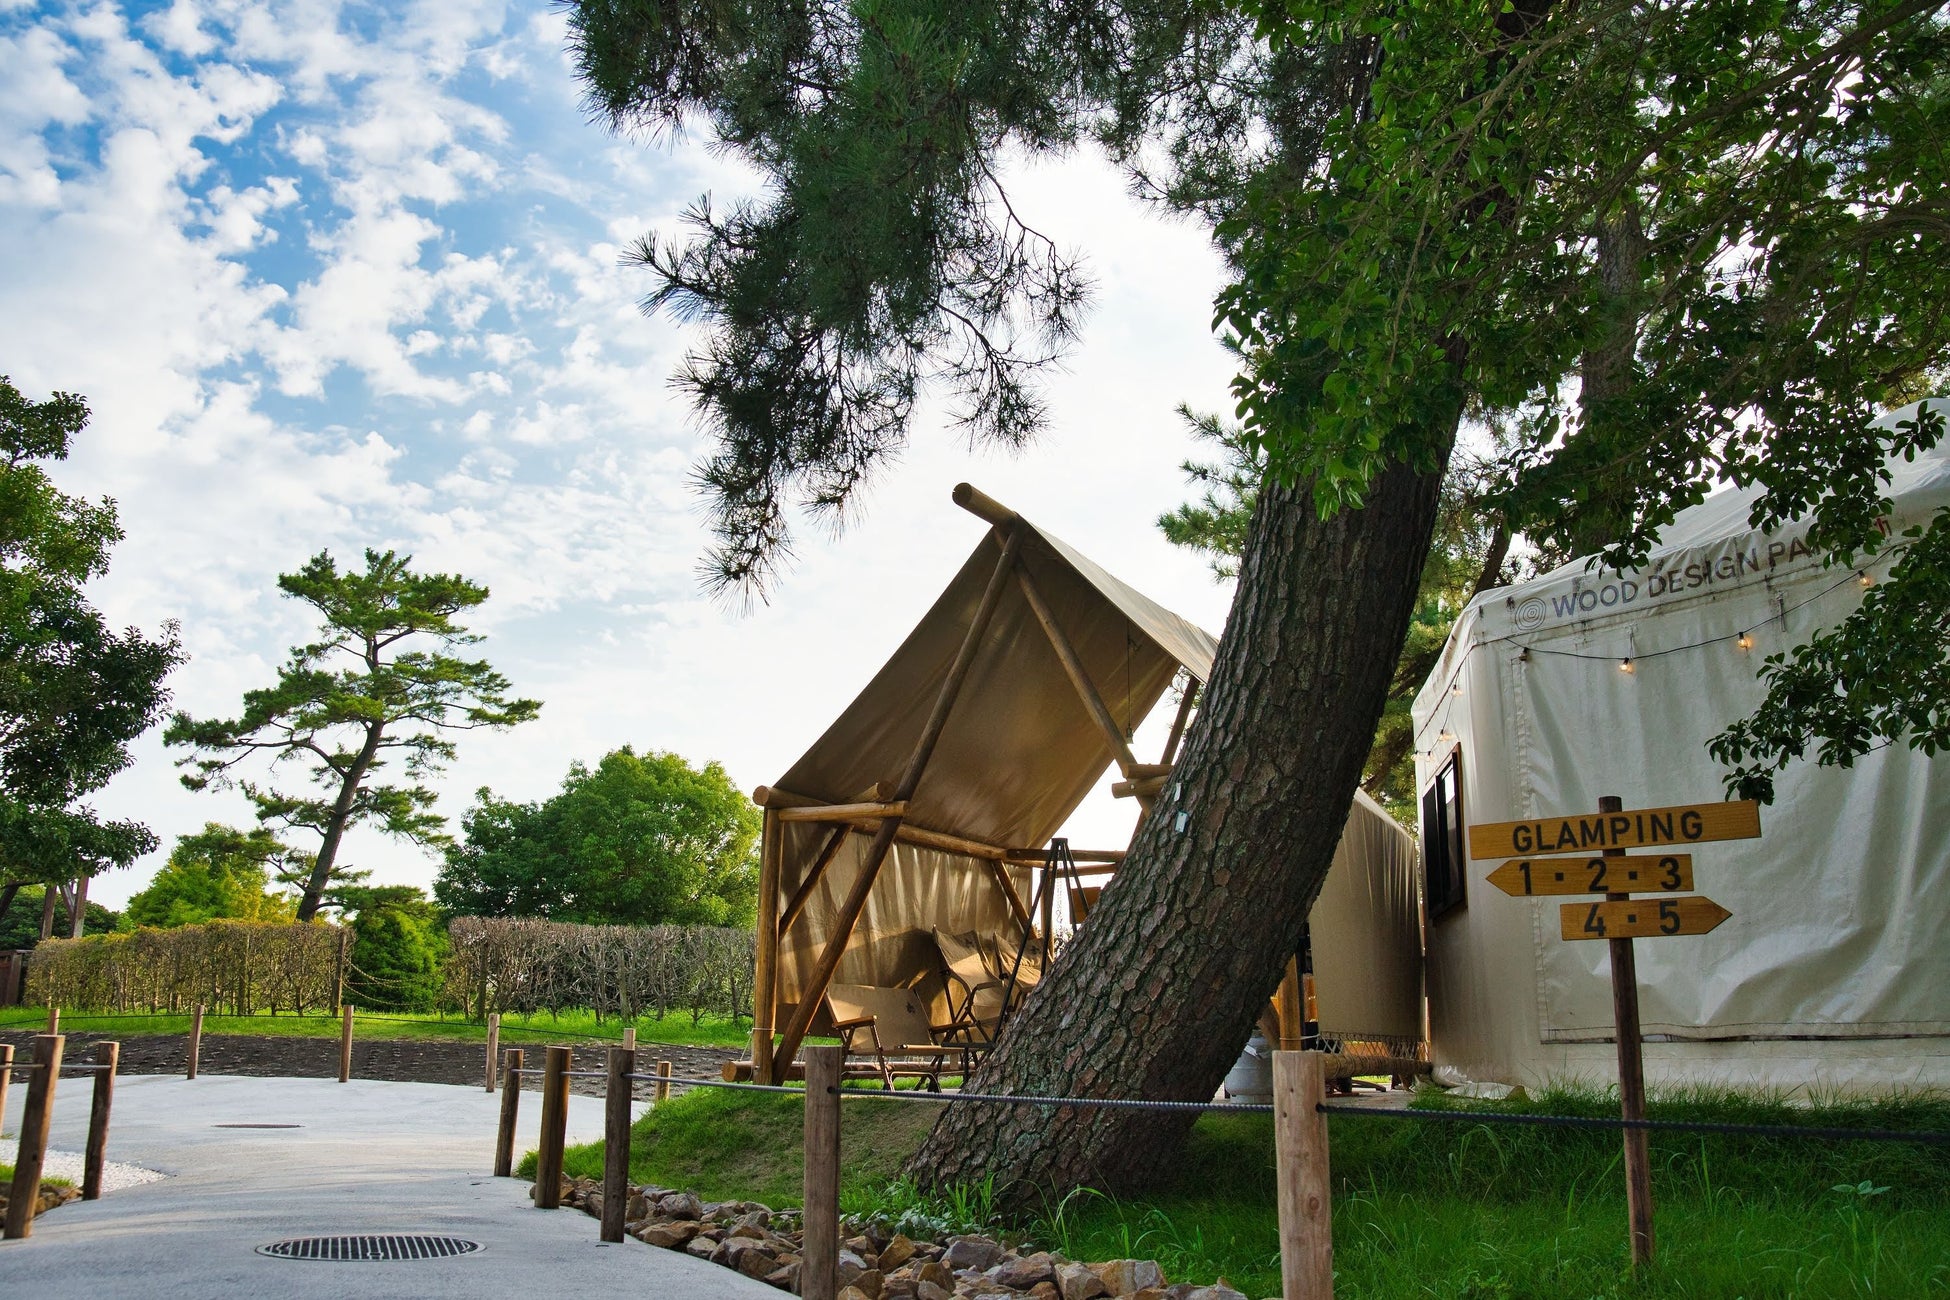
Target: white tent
1833	970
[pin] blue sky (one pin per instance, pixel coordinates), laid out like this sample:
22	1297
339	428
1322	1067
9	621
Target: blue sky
337	275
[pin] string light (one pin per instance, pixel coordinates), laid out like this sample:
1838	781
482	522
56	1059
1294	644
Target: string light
1746	641
1456	689
1446	737
1864	578
1625	665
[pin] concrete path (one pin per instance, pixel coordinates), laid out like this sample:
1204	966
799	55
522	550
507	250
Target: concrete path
371	1157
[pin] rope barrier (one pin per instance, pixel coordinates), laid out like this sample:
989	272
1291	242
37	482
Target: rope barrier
1922	1137
1081	1103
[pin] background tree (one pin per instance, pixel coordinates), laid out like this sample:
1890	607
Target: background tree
73	691
1669	242
398	942
21	927
349	705
218	873
638	840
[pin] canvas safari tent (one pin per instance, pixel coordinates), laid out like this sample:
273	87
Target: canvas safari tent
1832	970
929	802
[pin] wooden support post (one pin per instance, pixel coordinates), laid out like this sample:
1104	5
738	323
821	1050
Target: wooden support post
1008	887
816	983
6	1075
504	1136
818	1275
765	964
1179	719
663	1081
616	1140
196	1038
345	1044
555	1124
34	1122
1093	703
1631	1074
1305	1187
493	1047
53	1018
629	1039
1292	1006
108	1056
817	872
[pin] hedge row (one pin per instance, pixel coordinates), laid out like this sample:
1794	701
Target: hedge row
239	966
522	965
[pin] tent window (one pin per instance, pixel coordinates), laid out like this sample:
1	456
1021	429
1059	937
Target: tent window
1442	839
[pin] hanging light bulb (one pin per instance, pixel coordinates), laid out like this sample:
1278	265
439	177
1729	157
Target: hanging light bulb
1625	665
1864	578
1746	641
1446	737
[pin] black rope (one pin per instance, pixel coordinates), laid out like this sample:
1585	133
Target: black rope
1081	1103
1923	1137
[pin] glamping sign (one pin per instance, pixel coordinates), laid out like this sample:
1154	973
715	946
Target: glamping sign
1618	918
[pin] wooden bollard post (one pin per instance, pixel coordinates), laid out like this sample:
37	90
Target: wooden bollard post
819	1274
555	1125
34	1122
629	1039
196	1038
108	1056
616	1141
504	1138
53	1018
6	1075
1300	1143
663	1082
345	1045
493	1046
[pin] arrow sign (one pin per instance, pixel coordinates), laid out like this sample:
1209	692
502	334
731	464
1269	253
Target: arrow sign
1641	918
1525	877
1641	828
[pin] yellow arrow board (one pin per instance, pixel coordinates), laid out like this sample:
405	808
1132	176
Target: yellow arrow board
1632	874
1642	828
1641	918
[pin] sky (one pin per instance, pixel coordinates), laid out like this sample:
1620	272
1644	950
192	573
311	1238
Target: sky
336	276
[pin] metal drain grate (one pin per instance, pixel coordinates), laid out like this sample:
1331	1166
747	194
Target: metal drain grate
257	1126
370	1248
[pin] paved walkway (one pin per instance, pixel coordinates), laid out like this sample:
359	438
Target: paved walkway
371	1157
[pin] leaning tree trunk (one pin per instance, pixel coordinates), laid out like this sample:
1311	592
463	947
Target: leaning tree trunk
1156	994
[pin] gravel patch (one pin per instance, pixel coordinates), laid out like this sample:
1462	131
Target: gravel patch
115	1175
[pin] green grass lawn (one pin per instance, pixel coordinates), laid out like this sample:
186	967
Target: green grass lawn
1453	1210
7	1178
674	1030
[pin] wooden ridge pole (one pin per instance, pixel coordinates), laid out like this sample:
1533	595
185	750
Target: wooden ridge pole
555	1123
1305	1186
345	1043
621	1064
34	1122
1631	1073
196	1039
504	1136
883	840
108	1056
818	1275
765	962
1093	703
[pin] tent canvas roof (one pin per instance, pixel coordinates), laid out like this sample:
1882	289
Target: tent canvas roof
1019	751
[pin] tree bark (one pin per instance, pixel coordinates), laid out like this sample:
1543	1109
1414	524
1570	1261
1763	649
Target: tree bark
328	847
1157	993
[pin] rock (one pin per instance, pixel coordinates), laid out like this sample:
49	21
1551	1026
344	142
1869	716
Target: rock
850	1266
671	1236
785	1276
972	1252
701	1246
929	1291
1025	1273
936	1272
757	1218
871	1282
748	1231
1045	1291
638	1208
899	1287
1218	1291
896	1252
862	1246
1122	1277
853	1293
1078	1282
680	1205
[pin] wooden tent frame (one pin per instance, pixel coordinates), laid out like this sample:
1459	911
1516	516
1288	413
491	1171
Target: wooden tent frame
882	814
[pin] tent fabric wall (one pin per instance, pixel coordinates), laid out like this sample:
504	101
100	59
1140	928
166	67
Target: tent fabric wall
1366	931
1838	910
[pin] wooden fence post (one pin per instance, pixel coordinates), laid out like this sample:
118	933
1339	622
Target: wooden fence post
108	1056
196	1038
6	1077
34	1121
616	1141
663	1082
555	1124
818	1275
629	1039
493	1047
1305	1187
504	1138
345	1045
53	1018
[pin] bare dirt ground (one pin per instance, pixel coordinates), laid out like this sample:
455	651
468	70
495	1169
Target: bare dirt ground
395	1060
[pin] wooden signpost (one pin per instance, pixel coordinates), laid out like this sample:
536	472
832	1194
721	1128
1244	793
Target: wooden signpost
1620	918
